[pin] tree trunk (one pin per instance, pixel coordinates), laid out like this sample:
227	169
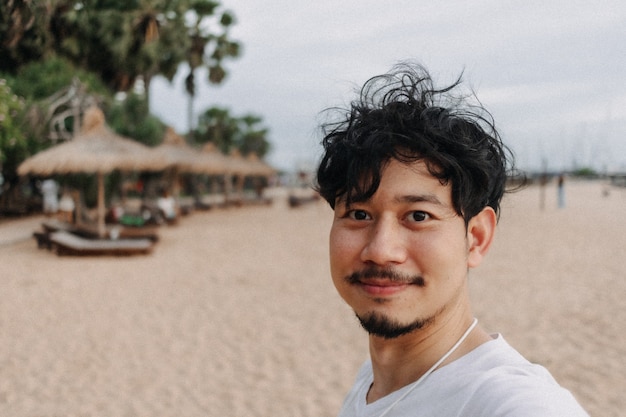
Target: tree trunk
189	115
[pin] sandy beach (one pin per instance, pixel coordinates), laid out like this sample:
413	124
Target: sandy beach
234	313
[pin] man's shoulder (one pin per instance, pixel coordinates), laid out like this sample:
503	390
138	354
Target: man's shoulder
492	380
496	380
514	392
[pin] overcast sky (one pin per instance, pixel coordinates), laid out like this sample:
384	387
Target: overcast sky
552	72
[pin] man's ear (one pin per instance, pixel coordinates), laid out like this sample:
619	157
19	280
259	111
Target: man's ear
480	232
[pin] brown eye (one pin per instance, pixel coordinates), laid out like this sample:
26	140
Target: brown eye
359	215
418	216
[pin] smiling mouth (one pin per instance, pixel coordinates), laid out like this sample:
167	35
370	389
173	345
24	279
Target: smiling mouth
381	288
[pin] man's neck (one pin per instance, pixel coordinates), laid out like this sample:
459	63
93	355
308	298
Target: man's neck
403	360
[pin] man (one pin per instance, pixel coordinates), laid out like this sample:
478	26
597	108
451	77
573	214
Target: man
415	178
50	190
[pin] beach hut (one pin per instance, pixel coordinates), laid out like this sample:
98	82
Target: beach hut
95	149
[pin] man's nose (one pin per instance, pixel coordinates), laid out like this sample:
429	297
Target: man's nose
386	244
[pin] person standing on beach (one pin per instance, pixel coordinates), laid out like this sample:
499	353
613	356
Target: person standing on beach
560	189
415	176
50	191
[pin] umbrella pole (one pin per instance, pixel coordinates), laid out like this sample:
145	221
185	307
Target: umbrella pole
101	211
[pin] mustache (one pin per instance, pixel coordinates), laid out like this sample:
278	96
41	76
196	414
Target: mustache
384	273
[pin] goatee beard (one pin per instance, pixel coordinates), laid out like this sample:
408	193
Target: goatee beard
377	324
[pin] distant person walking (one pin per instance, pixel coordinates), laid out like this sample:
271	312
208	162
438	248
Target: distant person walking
561	191
543	181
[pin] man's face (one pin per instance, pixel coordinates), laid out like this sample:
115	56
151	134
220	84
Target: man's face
400	259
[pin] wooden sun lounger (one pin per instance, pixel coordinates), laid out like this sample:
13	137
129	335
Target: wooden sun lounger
53	225
43	240
66	243
144	232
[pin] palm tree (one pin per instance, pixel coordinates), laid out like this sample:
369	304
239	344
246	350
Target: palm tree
23	32
207	49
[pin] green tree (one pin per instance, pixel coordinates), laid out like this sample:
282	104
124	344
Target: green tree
115	39
38	80
24	34
131	117
120	40
13	143
253	137
245	134
216	125
51	88
208	49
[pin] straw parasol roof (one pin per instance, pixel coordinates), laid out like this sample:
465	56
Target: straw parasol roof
250	166
95	149
211	161
239	165
259	167
177	152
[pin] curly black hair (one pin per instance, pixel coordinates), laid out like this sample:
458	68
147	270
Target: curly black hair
401	115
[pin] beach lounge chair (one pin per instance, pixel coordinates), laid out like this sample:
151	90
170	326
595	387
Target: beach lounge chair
43	240
82	230
89	232
66	243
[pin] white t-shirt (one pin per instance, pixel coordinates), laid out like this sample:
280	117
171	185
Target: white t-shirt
493	380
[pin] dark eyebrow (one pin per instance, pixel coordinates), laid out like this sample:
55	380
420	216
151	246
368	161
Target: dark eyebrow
406	199
419	198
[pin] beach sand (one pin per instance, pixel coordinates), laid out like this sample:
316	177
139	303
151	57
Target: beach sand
234	314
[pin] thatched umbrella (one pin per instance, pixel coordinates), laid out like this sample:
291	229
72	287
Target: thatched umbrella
180	158
177	153
212	162
250	166
258	167
95	149
240	166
